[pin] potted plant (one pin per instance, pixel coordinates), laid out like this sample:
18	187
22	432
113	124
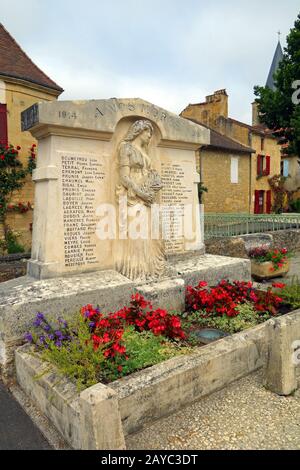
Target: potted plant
267	263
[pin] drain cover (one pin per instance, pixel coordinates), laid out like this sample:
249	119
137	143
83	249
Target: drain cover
208	335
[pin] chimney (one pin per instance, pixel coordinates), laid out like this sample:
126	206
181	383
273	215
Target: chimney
255	114
220	102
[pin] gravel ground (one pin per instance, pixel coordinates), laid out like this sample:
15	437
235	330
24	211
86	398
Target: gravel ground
241	417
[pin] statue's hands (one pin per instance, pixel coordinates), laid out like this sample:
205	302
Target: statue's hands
147	198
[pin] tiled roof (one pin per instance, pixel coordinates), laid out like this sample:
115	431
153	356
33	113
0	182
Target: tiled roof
218	140
258	129
15	63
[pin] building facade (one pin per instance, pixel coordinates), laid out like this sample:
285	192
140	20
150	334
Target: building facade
266	156
22	84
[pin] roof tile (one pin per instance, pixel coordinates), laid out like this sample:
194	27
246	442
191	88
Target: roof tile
15	63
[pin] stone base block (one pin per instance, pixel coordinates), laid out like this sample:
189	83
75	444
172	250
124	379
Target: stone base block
169	294
212	269
284	340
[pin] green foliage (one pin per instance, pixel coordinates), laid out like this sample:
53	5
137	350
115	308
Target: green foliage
247	317
276	108
11	242
79	361
295	206
291	293
12	176
201	189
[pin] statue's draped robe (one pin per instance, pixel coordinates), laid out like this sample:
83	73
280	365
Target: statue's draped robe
142	258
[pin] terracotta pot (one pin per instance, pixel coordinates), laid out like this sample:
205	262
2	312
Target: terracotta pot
263	270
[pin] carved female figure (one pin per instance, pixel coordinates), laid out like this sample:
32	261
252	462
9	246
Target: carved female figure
139	257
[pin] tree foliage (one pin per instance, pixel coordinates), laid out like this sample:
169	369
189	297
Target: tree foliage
277	109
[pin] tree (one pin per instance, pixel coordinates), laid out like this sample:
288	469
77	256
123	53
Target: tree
277	109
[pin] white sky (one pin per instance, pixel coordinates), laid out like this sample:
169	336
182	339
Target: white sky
168	52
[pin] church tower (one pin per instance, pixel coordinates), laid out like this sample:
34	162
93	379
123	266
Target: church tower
278	56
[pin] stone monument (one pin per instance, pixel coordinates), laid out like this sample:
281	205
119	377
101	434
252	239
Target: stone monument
116	213
103	167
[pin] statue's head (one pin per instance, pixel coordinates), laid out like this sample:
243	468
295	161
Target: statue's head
141	128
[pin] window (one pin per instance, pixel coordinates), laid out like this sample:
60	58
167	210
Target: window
263	165
3	124
234	170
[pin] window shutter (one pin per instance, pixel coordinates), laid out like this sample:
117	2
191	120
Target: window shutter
3	124
269	202
286	169
234	170
258	165
268	165
256	204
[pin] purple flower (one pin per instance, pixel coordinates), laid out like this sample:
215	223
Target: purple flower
47	328
42	339
92	324
28	337
39	319
59	335
58	344
51	337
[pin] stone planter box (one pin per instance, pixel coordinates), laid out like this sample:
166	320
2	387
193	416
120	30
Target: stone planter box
102	416
263	270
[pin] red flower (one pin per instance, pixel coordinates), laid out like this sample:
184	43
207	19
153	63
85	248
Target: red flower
278	285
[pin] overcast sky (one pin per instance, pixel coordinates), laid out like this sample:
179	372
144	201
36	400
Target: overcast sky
168	52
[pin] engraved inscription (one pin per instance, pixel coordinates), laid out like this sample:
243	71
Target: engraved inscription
176	193
80	177
67	114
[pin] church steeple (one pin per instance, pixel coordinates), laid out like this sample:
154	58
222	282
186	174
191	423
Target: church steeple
278	56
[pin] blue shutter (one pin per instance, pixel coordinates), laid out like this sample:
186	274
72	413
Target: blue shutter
286	168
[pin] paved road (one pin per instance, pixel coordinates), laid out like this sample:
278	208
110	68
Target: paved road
17	432
242	416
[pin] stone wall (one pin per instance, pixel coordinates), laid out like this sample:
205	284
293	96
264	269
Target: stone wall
236	247
224	196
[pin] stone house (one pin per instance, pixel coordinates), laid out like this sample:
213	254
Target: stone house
22	84
225	170
266	159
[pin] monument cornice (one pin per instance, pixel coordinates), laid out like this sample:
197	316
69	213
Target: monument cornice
103	116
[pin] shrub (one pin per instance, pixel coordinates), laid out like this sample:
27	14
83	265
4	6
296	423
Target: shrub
11	242
291	293
247	317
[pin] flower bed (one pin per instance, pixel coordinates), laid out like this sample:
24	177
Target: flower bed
99	347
